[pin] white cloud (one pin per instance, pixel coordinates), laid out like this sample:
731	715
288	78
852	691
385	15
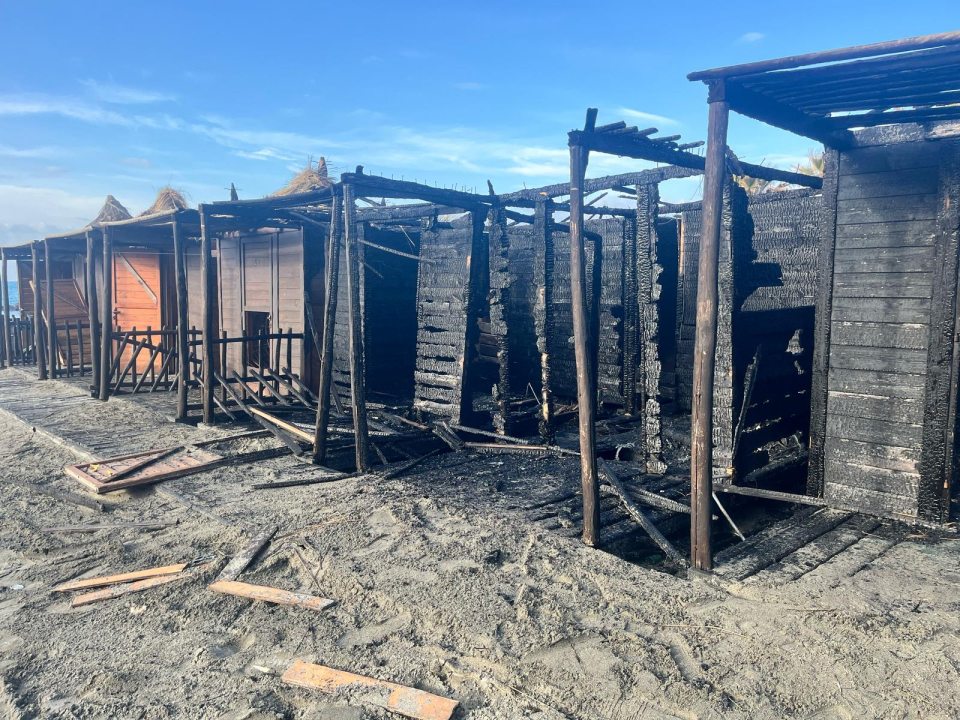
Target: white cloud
63	106
650	117
751	37
124	95
30	213
469	85
34	152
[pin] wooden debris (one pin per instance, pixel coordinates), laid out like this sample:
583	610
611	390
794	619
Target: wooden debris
98	527
396	472
297	432
405	701
271	595
637	514
303	481
70	497
499	449
242	559
118	590
99	475
121	578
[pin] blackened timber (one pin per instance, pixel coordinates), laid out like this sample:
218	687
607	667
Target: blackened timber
590	185
499	297
106	315
384	187
586	395
207	293
816	58
543	312
93	315
760	107
183	349
643	149
705	343
357	379
39	334
933	496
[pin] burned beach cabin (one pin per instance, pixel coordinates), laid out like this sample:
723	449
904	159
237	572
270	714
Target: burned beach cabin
882	432
765	311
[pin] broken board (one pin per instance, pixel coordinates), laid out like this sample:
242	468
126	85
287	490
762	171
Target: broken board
96	475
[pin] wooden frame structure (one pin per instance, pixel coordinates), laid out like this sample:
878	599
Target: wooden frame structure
885	363
620	140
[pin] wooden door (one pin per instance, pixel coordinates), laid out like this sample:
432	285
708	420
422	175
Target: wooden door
136	298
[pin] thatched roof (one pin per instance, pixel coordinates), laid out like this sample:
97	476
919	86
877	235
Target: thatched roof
111	211
312	177
168	200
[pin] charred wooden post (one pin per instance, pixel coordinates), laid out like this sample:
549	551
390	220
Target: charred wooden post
499	304
357	380
92	309
586	393
207	291
106	310
39	335
543	312
52	352
182	344
5	342
329	327
705	342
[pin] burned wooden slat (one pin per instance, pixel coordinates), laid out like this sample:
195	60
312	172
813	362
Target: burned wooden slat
106	315
241	561
207	294
40	339
271	595
50	317
358	392
637	514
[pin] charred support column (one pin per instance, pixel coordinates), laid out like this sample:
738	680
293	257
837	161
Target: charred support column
39	336
586	390
5	289
106	315
183	349
206	307
51	316
705	339
331	285
357	381
92	309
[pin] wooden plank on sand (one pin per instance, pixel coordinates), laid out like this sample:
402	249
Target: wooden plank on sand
396	698
271	595
118	590
121	578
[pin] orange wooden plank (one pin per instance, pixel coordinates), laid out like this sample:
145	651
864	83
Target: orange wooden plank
121	578
271	595
396	698
118	590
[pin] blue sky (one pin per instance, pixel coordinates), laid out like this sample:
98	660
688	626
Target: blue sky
125	98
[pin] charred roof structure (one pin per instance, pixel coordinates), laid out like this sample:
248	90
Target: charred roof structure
882	431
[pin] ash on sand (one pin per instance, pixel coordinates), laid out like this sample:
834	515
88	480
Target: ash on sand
441	585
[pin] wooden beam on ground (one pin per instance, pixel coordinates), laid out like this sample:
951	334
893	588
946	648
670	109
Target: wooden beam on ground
121	578
395	698
271	595
329	328
705	341
586	395
39	334
106	314
637	514
297	432
357	379
241	561
772	495
118	590
183	349
207	293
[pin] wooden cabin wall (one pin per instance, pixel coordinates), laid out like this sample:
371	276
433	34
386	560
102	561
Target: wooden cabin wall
501	289
775	270
261	272
191	264
614	271
522	303
881	441
668	257
340	383
447	310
